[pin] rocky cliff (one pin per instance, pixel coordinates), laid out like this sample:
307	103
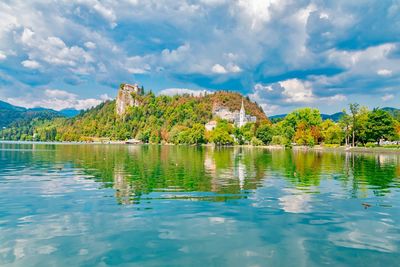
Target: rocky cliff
127	97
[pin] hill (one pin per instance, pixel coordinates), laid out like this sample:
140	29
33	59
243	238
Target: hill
155	117
145	116
69	112
334	117
10	114
395	112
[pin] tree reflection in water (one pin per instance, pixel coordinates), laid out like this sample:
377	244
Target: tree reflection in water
217	174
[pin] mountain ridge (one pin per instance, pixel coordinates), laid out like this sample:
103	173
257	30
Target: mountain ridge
10	113
336	116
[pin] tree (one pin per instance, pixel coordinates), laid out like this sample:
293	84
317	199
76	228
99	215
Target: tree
354	108
221	135
238	133
362	122
303	135
380	125
305	124
265	133
196	134
248	130
345	122
397	129
331	132
155	136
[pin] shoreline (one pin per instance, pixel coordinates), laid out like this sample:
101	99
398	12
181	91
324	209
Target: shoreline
348	149
270	147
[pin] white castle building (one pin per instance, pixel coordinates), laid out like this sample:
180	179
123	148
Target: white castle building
238	118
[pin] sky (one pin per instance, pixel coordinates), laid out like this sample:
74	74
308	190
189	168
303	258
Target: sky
283	54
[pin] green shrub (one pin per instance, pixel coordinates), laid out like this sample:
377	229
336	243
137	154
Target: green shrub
370	144
256	142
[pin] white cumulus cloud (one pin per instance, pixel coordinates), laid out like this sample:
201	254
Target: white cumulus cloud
90	45
2	56
296	90
56	99
387	97
384	72
30	64
217	68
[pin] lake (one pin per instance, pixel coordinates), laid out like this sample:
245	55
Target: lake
122	205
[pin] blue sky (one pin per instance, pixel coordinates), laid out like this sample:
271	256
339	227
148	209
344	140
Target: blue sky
283	54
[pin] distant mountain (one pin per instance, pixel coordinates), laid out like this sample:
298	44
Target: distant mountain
395	112
7	106
10	114
276	118
70	112
335	116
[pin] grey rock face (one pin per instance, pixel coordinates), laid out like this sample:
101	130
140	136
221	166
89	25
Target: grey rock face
126	98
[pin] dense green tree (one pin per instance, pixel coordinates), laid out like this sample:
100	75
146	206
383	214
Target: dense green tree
331	132
265	133
305	124
221	135
248	130
380	125
362	125
238	133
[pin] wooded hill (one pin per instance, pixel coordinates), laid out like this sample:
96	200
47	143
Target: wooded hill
156	119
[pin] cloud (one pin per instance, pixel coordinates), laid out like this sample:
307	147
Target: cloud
290	93
2	56
105	97
56	99
175	56
387	97
297	91
303	52
384	72
233	68
286	92
90	45
217	68
30	64
181	91
54	52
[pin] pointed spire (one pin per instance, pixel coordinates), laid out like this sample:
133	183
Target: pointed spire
242	108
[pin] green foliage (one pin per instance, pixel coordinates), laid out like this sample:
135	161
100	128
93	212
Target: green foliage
371	144
380	125
181	119
331	132
184	135
278	140
238	133
256	142
305	126
264	133
221	135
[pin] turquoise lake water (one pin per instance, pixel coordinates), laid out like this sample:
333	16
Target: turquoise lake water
117	205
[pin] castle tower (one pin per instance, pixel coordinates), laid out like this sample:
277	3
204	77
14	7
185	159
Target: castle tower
242	116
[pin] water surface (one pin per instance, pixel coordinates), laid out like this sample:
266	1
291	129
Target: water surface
117	205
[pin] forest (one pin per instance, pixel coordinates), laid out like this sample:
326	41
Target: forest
181	120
